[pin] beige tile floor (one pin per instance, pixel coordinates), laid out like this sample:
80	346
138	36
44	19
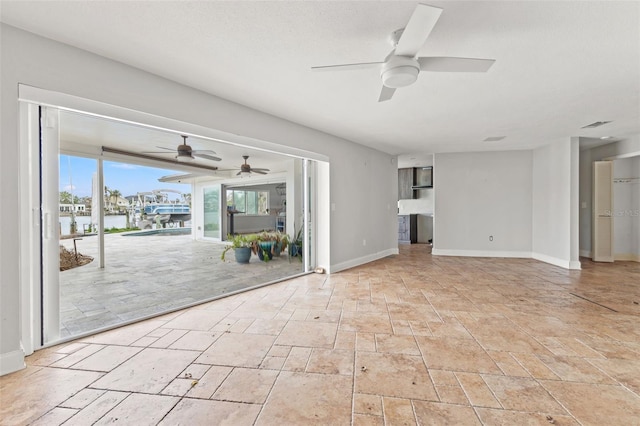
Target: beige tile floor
148	275
410	339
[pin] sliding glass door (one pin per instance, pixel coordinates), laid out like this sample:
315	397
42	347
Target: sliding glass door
211	212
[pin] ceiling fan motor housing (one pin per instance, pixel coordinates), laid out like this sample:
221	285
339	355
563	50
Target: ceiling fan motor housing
399	71
184	153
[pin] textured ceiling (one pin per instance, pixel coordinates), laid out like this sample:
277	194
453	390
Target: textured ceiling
559	65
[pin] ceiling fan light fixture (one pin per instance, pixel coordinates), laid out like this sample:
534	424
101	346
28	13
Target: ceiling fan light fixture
184	158
399	77
400	71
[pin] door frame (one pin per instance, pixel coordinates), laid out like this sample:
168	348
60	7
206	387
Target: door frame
30	222
602	215
30	99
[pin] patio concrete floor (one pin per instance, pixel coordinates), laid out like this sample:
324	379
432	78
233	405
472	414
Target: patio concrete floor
145	275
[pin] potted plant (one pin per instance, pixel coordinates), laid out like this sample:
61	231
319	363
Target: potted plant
242	245
263	245
281	243
295	246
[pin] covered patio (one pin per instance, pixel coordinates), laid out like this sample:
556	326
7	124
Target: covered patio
147	275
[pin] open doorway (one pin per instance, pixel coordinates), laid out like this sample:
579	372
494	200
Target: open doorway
139	270
624	210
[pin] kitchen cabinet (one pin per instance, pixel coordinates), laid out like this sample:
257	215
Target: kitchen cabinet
412	180
405	182
408	228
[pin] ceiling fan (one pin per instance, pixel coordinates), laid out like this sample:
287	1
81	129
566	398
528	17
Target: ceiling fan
185	153
401	67
246	169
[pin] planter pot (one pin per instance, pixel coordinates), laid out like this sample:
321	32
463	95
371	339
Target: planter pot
243	254
265	250
277	249
295	250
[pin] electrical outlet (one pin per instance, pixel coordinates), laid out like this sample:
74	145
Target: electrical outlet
364	242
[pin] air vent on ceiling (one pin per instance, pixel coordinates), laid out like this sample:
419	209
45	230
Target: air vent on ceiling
494	138
596	124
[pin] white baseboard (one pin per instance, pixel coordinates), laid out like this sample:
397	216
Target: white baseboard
480	253
513	254
585	253
566	264
362	260
11	361
627	257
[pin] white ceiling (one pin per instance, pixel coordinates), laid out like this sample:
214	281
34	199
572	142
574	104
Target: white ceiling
82	133
559	65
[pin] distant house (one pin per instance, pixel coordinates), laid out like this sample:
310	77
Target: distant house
115	204
76	208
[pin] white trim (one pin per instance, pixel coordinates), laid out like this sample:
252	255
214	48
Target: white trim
511	254
552	260
50	199
322	181
29	241
585	253
627	257
306	216
575	265
362	260
621	156
100	109
480	253
11	361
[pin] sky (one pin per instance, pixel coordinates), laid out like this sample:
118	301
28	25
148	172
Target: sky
76	174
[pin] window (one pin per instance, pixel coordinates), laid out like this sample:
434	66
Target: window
249	202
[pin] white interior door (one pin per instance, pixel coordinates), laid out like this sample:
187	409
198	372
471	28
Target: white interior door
602	240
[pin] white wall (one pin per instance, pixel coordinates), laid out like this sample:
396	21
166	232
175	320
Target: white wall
629	146
478	195
555	199
363	181
369	225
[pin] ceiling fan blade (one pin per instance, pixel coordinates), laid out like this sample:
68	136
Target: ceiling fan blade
418	28
200	154
260	172
386	93
344	67
239	173
447	64
259	169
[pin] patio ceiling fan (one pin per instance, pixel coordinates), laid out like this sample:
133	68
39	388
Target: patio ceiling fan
186	153
246	169
402	66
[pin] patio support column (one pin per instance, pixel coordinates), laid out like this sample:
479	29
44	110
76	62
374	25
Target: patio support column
101	214
305	212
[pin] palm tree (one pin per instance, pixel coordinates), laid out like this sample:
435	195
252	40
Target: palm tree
65	197
114	195
107	198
